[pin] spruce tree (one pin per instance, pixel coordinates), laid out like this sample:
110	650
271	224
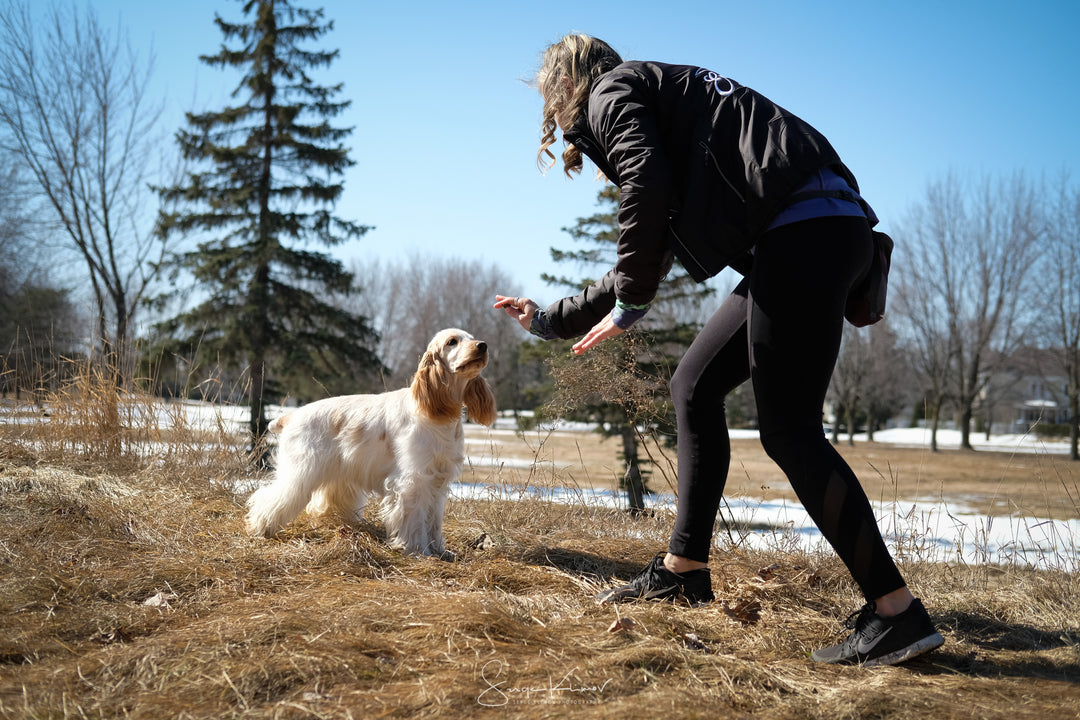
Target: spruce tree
267	175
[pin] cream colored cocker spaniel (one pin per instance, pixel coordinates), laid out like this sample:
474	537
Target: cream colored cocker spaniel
405	446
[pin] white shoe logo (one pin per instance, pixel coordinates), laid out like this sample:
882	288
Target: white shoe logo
864	647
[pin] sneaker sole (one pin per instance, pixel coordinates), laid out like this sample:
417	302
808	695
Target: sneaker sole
669	593
615	596
928	643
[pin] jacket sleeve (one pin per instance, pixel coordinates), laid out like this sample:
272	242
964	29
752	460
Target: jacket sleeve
622	121
574	316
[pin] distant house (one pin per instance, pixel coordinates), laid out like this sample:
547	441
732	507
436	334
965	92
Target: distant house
1025	391
1041	404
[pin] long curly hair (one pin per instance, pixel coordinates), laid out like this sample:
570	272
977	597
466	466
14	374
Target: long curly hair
581	59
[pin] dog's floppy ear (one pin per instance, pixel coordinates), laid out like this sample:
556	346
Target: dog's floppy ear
480	401
431	389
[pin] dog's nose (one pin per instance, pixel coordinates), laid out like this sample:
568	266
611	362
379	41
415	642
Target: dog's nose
481	346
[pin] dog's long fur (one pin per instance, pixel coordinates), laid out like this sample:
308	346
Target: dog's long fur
405	446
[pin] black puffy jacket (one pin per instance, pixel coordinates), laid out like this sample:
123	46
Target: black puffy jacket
702	164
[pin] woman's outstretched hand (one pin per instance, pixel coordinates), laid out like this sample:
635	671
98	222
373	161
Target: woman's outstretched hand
601	331
521	309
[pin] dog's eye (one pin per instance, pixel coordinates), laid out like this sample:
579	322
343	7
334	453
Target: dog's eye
451	342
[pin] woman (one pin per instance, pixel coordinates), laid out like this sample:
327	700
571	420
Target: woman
716	175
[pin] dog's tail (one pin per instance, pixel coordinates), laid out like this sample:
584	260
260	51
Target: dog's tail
278	424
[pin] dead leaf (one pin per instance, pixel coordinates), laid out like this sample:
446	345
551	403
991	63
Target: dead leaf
621	625
747	612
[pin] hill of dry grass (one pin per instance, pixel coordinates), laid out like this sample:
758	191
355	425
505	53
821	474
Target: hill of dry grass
129	589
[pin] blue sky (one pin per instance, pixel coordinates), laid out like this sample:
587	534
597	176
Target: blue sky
446	130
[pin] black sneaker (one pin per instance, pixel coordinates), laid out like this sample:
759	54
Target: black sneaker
884	641
656	582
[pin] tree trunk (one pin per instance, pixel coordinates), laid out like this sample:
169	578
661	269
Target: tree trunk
260	295
935	420
635	488
1074	427
965	429
123	371
258	422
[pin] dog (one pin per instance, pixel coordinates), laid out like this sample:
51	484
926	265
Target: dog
405	446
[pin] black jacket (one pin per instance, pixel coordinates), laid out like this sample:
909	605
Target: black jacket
702	165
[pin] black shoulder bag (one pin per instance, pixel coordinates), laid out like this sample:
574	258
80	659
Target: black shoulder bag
866	301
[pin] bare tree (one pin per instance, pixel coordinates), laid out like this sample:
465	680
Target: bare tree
1007	233
887	376
975	253
921	307
19	256
410	300
848	383
868	380
1060	281
73	103
37	318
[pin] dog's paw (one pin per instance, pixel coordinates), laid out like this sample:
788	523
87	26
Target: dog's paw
257	528
439	553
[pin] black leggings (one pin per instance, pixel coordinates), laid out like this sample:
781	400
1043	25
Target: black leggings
780	328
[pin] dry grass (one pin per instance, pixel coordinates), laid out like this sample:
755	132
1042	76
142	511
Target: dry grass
329	623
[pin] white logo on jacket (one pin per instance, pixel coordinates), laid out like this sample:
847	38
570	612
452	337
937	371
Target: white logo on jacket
721	84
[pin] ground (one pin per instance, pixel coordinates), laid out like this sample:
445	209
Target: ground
132	591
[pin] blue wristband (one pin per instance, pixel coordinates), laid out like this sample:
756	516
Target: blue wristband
624	315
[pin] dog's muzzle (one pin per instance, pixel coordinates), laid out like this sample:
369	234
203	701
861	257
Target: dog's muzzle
478	359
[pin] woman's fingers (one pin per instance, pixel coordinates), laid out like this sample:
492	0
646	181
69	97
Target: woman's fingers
600	332
521	309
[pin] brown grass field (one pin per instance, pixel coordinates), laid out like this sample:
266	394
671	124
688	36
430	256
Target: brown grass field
128	589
